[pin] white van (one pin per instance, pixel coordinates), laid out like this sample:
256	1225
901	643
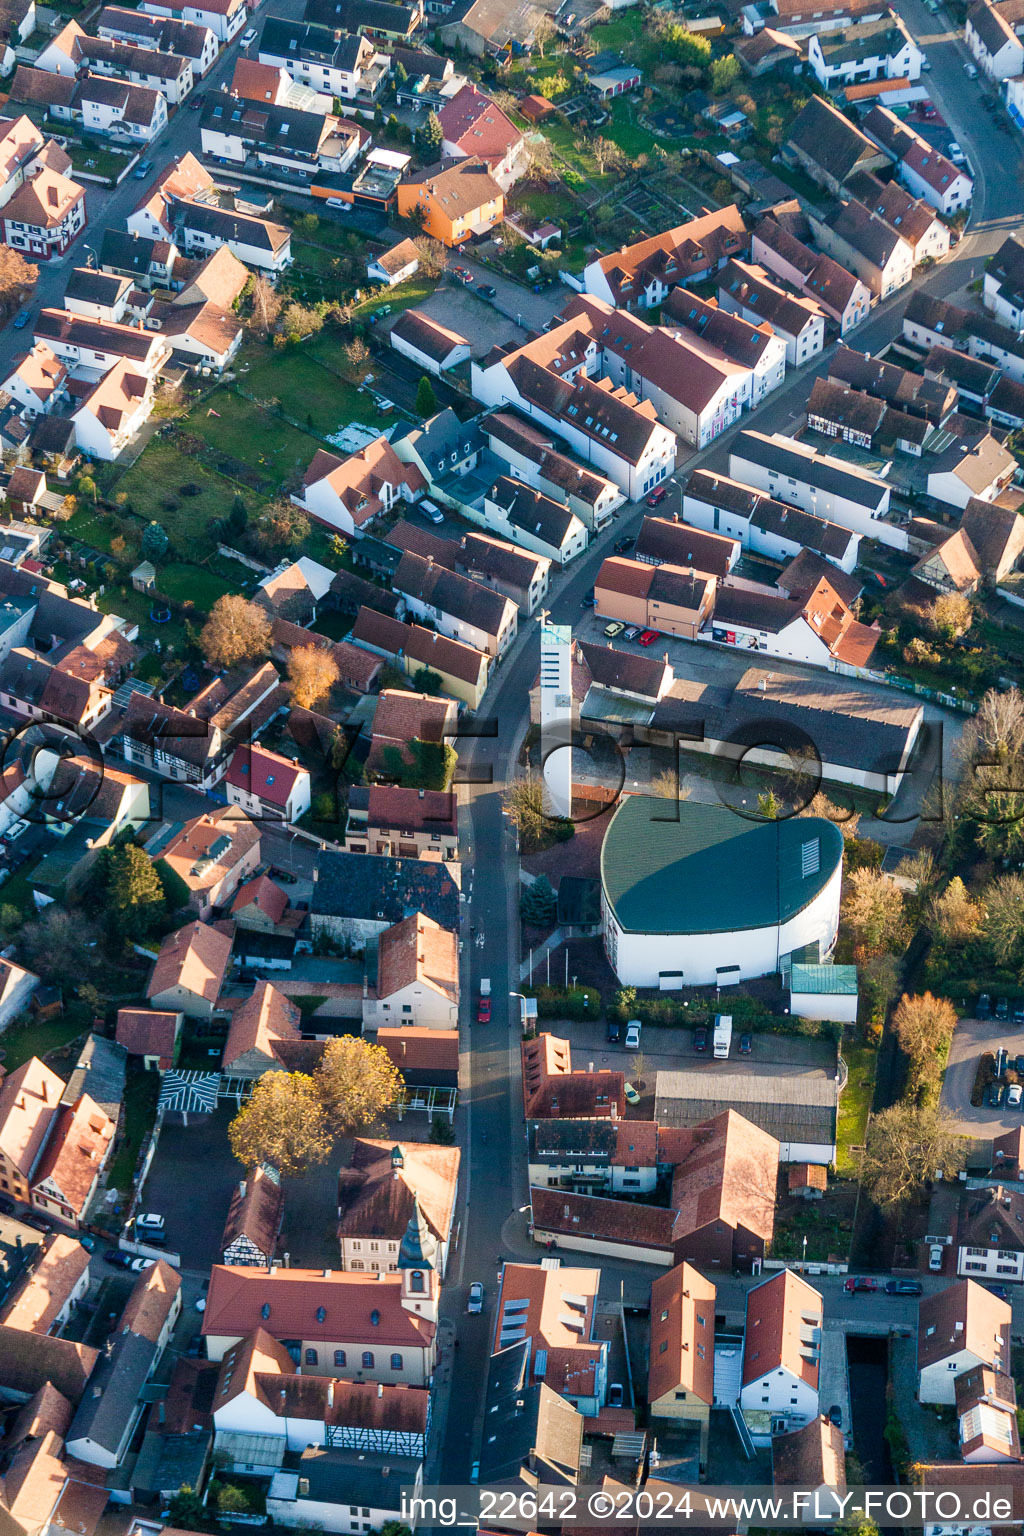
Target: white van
432	513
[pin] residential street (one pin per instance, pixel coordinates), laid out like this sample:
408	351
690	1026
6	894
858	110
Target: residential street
493	1190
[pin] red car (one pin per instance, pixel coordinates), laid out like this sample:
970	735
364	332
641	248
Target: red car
648	637
656	498
483	1011
860	1283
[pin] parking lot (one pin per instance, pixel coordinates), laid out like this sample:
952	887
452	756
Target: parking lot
480	322
671	1049
971	1039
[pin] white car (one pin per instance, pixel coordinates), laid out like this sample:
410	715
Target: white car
955	153
149	1221
138	1265
935	1257
247	38
633	1035
1014	1096
970	71
476	1297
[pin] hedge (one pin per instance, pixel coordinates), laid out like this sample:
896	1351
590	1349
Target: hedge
560	1003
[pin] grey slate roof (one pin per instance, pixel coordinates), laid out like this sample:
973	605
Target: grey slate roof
361	885
100	1072
111	1400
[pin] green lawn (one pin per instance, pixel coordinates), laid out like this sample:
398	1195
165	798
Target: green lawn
855	1104
623	130
124	600
193	584
141	1091
92	527
153	487
413	291
302	380
22	1041
334	624
97	161
243	431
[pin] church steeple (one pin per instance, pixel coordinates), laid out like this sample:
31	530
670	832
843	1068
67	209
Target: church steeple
418	1249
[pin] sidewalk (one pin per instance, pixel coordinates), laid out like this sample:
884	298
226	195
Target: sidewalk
442	1392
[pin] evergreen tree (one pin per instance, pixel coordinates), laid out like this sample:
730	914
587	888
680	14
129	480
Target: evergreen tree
426	400
433	133
154	541
539	904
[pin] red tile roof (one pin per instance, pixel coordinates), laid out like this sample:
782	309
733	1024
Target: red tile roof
314	1304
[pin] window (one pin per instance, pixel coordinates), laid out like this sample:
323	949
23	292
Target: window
663	1346
417	1282
396	1362
367	1359
339	1357
311	1357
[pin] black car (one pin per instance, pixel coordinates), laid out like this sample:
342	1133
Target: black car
746	1044
1002	1007
486	291
285	876
903	1288
6	1206
984	1007
994	1095
999	1291
614	1031
621	545
118	1260
590	601
700	1038
1018	1011
835	1413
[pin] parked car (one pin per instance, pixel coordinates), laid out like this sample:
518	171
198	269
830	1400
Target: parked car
656	498
621	545
994	1095
970	71
116	1259
633	1035
476	1297
984	1007
648	637
149	1221
614	628
903	1288
142	170
999	1067
590	601
1018	1011
138	1265
283	876
614	1032
483	1010
462	274
431	512
955	153
1014	1096
1000	1291
247	38
615	1395
860	1283
487	292
632	1097
22	318
746	1044
1002	1007
700	1038
6	1205
474	1472
632	632
935	1257
1018	1064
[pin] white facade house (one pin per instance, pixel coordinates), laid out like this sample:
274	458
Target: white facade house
781	1349
873	50
959	1327
747	291
527	517
823	992
117	107
114	411
816	482
728	906
1003	290
225	18
992	34
764	526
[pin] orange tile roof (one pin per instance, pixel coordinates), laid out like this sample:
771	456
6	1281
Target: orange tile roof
772	1341
79	1143
315	1304
262	1022
46	1291
682	1344
376	1198
726	1169
29	1100
964	1316
44	201
418	950
262	892
147	1031
359	479
149	1305
472	121
190	856
194	957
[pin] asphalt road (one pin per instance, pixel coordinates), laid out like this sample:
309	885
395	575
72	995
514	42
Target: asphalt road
494	1186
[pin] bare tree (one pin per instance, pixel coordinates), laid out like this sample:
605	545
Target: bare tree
266	306
544	32
907	1146
433	256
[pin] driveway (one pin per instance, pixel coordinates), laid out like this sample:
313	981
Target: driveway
191	1183
971	1039
462	310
